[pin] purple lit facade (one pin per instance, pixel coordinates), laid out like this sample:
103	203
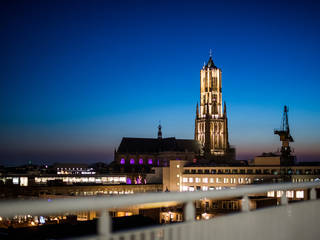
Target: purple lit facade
131	161
140	161
150	161
122	161
128	181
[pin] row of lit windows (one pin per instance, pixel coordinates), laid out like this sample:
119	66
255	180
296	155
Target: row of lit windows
82	179
140	161
216	180
74	172
200	188
252	171
289	194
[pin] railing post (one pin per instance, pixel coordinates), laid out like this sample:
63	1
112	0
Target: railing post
245	204
104	225
313	194
189	231
284	199
189	212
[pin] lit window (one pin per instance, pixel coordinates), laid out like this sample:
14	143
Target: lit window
178	166
131	161
204	188
205	180
270	194
191	189
197	180
211	180
299	194
225	180
15	180
191	180
150	161
178	175
279	193
140	161
184	188
122	161
185	179
218	180
289	194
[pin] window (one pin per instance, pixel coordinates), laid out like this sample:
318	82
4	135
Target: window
198	188
279	193
187	171
234	170
218	180
289	194
204	188
270	194
258	171
227	171
193	171
197	180
249	171
191	180
131	161
191	189
178	166
211	180
225	180
242	171
200	171
184	188
178	175
266	171
299	194
150	161
184	179
213	171
205	180
122	161
140	161
206	171
308	171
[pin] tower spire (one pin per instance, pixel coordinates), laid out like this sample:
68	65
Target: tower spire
159	131
224	109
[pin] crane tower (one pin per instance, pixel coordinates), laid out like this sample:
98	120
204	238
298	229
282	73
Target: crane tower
284	133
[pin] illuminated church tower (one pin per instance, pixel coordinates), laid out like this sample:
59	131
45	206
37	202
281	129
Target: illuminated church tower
211	124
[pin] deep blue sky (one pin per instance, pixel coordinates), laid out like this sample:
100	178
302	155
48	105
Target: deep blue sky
77	76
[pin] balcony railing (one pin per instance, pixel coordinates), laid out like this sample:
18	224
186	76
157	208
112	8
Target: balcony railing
288	221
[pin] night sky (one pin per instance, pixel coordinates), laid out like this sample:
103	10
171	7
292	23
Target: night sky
77	76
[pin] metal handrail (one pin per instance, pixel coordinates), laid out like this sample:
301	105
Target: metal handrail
43	207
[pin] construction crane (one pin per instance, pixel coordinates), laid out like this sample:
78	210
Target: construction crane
284	133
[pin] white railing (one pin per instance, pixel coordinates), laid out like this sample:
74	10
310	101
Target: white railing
294	221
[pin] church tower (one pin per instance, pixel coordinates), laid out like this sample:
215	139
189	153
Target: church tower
211	123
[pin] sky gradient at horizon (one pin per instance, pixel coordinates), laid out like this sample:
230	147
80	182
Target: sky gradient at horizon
77	76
